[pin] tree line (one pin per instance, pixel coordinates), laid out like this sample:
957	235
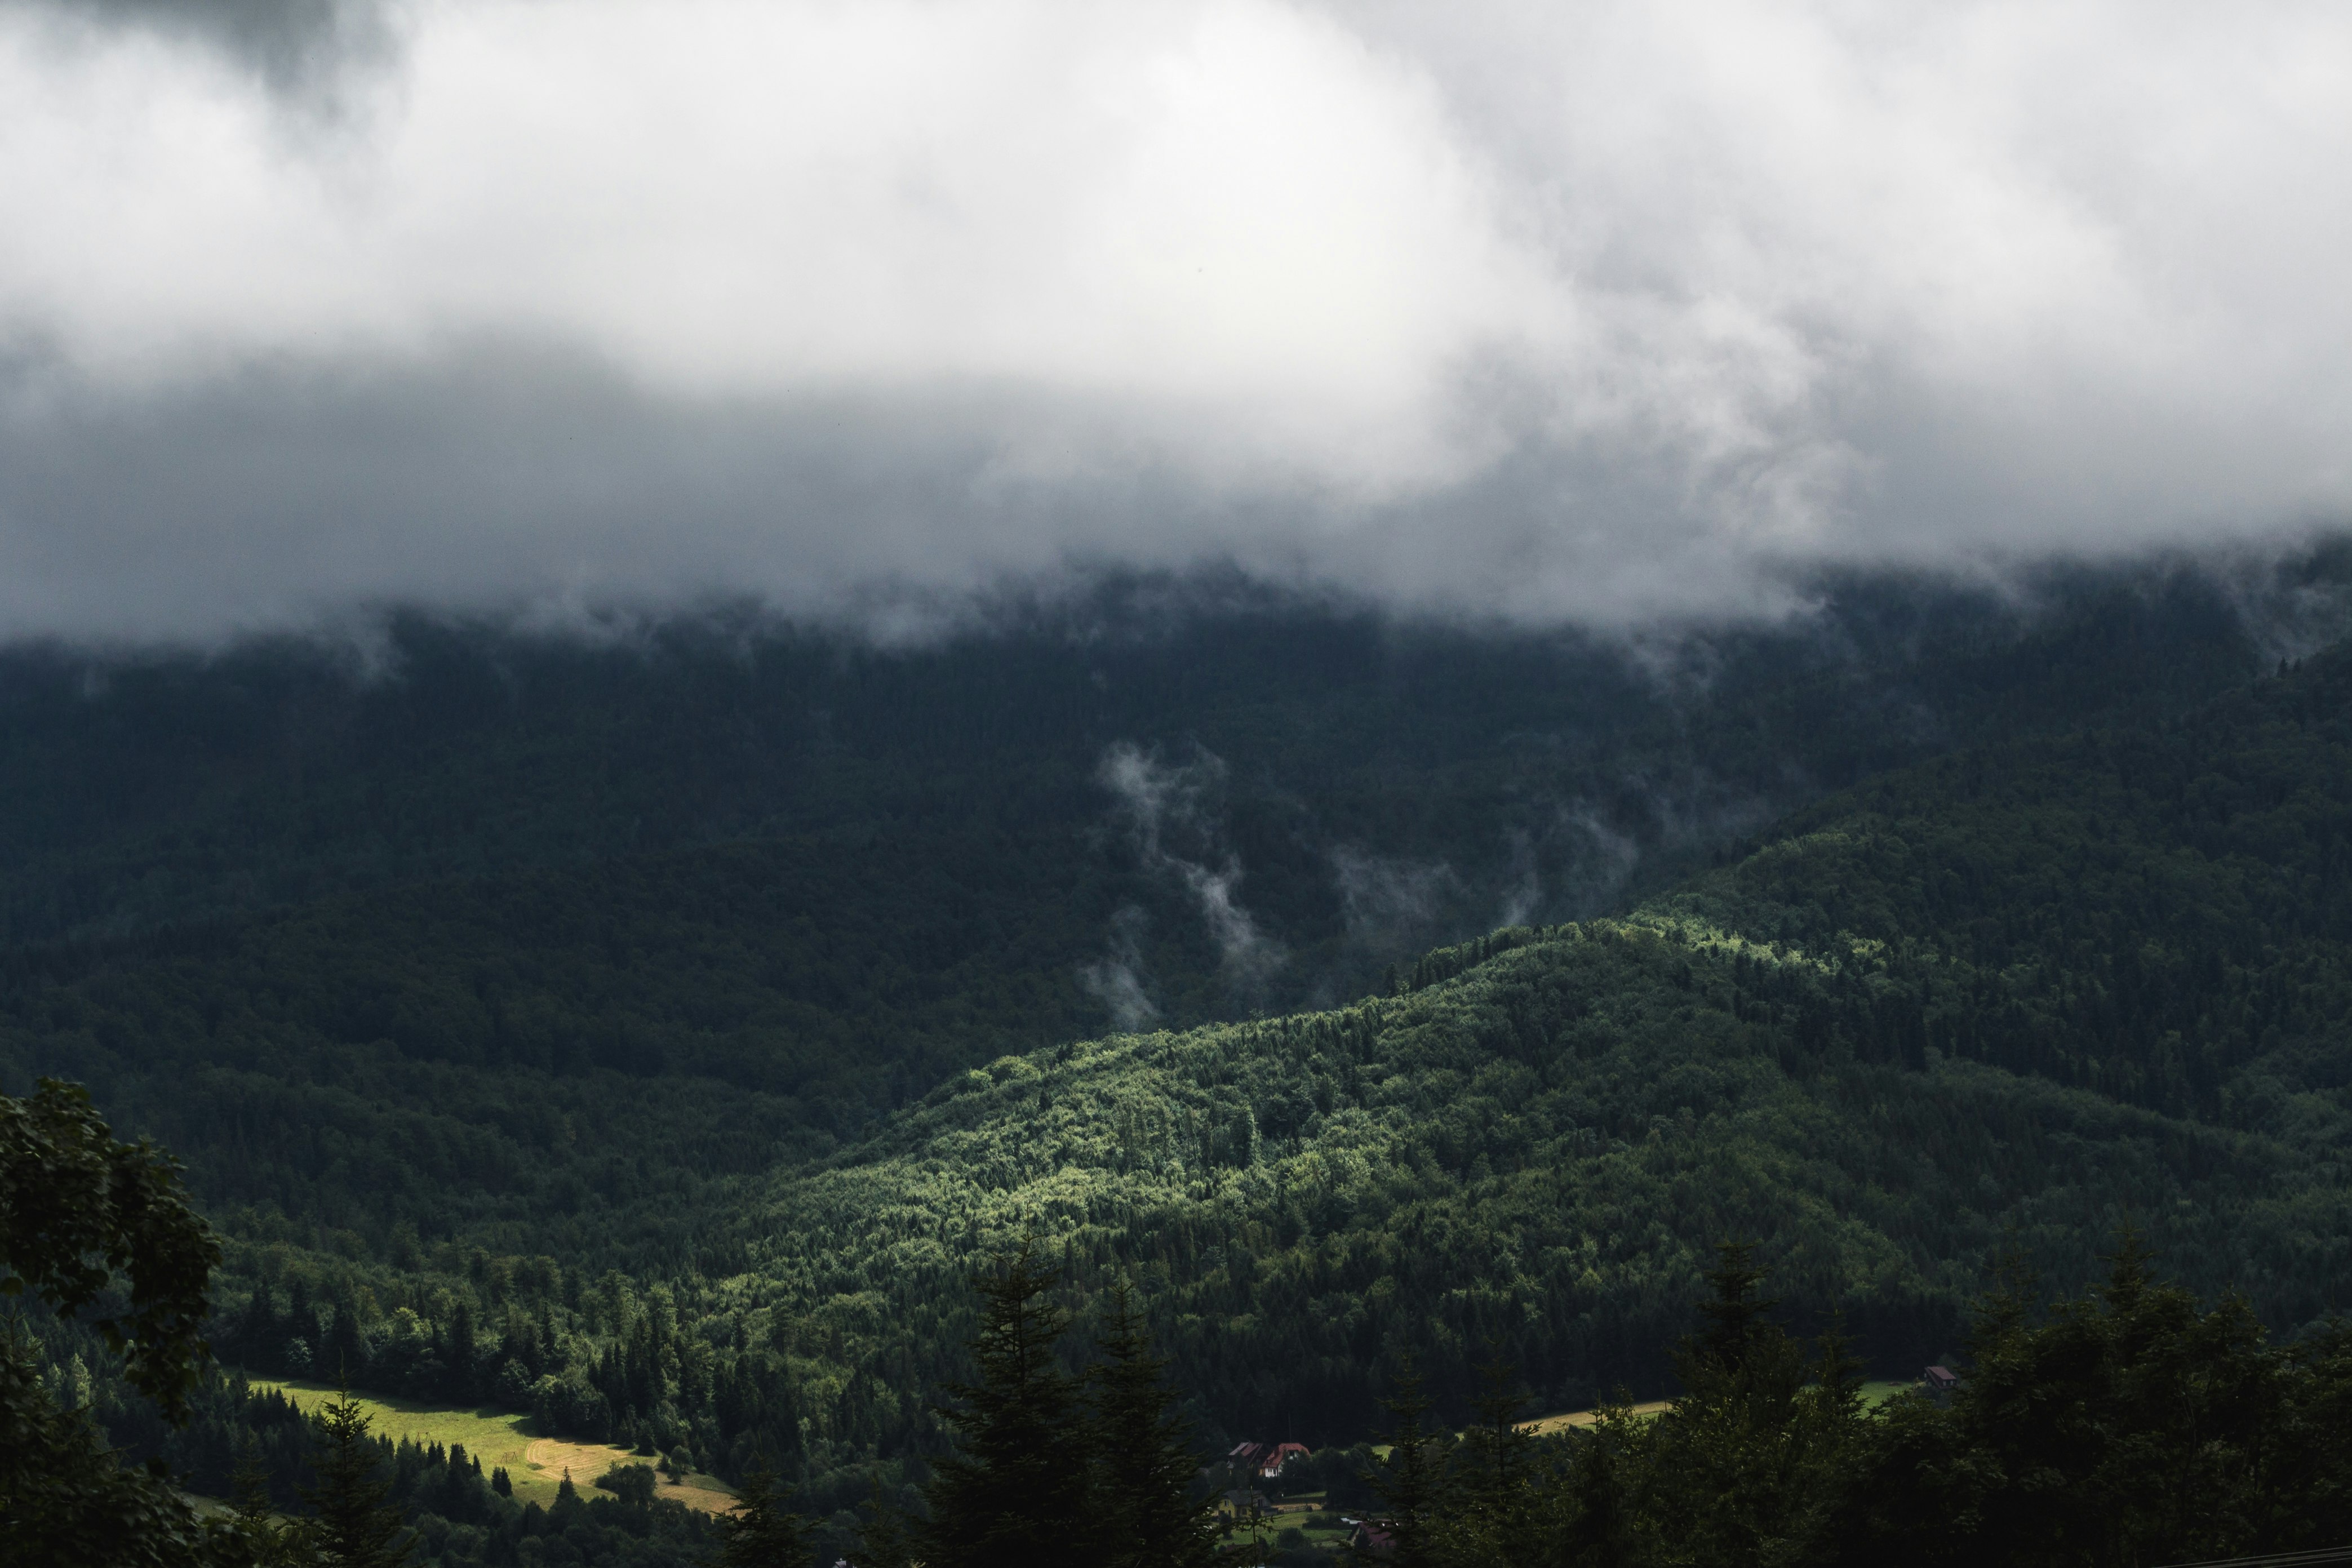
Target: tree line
2125	1427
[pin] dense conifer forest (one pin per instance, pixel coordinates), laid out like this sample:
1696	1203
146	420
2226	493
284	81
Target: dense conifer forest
668	1037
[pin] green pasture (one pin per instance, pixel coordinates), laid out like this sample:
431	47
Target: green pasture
1321	1527
496	1438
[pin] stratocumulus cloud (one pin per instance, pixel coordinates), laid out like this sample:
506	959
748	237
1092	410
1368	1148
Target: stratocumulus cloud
1594	310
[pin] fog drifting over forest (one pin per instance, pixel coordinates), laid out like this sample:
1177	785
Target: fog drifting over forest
1599	311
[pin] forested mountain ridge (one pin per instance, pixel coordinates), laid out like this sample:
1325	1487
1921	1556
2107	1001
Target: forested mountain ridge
2013	999
614	1137
526	943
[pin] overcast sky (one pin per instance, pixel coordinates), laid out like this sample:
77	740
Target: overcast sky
1596	311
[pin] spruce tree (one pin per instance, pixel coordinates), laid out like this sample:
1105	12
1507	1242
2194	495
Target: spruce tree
302	1323
271	1542
1741	1455
883	1540
763	1532
356	1525
1492	1511
256	1335
1016	1493
344	1350
249	1483
1605	1470
1737	1320
461	1353
1497	1450
1144	1467
1410	1483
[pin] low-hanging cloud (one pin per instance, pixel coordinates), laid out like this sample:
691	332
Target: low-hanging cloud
1119	979
1601	310
1168	809
1392	905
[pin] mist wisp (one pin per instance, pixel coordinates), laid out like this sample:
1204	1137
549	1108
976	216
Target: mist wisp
1119	979
1168	809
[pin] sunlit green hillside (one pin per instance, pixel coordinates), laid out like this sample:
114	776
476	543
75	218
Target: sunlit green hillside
1534	1156
2012	1001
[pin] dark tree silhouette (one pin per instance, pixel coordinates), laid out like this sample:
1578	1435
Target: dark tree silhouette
884	1538
354	1524
1014	1495
80	1210
1144	1467
763	1532
1412	1482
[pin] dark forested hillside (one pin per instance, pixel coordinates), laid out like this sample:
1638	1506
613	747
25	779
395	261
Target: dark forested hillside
146	789
2010	1000
511	939
656	1034
2015	1000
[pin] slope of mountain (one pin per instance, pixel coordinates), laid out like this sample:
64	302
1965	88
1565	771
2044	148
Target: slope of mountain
804	1078
526	943
151	789
2015	1000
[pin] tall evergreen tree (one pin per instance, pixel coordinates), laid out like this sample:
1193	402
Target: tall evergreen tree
345	1353
461	1353
763	1532
1751	1452
255	1335
355	1526
300	1323
1492	1513
1144	1467
273	1543
882	1537
1495	1455
1603	1469
1410	1482
1016	1493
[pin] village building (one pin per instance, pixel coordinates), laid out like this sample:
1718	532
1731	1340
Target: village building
1263	1461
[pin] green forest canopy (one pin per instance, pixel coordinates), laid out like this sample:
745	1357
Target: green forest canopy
2010	1000
532	945
529	1134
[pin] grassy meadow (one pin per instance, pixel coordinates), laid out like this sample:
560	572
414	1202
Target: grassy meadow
1873	1394
504	1439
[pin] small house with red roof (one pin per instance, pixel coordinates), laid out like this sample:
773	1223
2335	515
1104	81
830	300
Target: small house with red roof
1263	1461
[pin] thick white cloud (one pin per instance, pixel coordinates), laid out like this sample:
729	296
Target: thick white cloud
1541	310
1234	217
